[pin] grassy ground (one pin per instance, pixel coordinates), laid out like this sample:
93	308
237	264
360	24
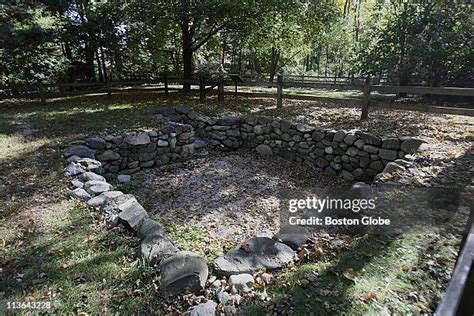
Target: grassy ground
53	249
370	275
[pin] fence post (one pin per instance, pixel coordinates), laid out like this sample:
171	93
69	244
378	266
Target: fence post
165	79
202	86
279	91
42	92
220	89
366	100
235	91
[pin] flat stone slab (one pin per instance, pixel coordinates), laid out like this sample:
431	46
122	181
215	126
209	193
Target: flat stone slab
132	215
254	254
94	187
100	199
91	176
183	272
80	151
116	205
150	227
108	155
157	247
138	139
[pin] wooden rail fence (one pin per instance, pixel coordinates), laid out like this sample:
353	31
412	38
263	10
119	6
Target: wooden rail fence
206	86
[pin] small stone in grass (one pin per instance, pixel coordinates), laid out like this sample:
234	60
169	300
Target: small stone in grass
203	309
124	178
241	283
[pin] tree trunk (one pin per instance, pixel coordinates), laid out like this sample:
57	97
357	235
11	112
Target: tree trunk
99	68
187	56
274	63
90	74
104	68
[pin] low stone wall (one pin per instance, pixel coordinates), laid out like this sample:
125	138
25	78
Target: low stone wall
130	152
355	155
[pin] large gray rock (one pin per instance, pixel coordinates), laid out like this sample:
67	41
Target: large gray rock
132	215
241	283
113	206
346	175
96	143
73	169
292	235
371	149
388	154
254	254
91	176
138	139
377	165
203	309
264	150
200	143
150	227
80	151
391	143
370	138
79	193
304	128
339	136
100	199
108	155
94	187
162	143
88	163
157	247
183	272
411	145
350	139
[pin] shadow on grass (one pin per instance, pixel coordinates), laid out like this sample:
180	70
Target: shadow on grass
393	273
81	266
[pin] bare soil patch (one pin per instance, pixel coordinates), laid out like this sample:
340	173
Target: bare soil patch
234	196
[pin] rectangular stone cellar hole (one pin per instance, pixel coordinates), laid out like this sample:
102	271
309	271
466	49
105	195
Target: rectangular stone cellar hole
228	197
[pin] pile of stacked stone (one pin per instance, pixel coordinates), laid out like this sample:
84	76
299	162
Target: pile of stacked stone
180	271
354	155
129	153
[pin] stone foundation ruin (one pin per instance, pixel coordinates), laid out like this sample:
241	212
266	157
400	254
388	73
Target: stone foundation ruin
184	134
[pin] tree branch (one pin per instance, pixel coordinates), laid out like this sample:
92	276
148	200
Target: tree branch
203	39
